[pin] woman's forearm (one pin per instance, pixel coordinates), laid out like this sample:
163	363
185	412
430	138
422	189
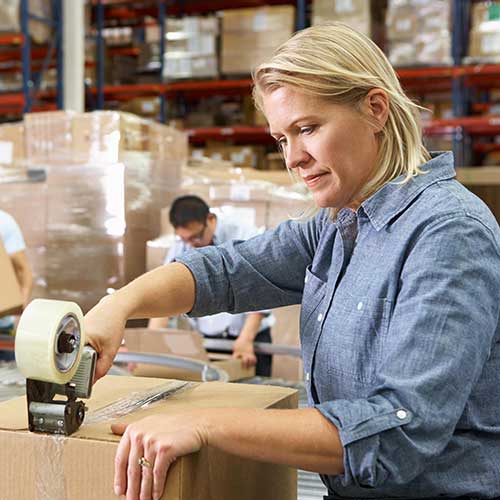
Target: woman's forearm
298	438
165	291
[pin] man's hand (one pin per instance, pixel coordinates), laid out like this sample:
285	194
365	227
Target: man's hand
243	349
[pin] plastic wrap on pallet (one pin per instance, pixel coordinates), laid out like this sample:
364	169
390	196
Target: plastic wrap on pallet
419	32
85	228
272	196
109	175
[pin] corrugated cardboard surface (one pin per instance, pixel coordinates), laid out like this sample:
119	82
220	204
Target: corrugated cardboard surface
37	466
11	299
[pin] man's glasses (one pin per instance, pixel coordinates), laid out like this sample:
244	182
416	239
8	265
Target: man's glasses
196	238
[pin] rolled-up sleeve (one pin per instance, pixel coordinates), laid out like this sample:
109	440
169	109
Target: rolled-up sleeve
263	272
439	337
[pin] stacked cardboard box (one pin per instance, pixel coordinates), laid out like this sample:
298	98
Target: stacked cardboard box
11	144
484	40
192	47
419	32
365	16
250	36
246	156
82	465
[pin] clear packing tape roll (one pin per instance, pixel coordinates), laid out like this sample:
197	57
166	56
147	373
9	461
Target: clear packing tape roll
44	327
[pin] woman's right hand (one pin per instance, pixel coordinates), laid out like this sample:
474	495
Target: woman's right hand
104	326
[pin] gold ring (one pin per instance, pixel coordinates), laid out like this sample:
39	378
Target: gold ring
144	462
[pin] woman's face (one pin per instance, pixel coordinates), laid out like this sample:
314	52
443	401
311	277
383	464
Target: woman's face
330	146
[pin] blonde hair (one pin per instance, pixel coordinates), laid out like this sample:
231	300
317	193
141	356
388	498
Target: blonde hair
334	62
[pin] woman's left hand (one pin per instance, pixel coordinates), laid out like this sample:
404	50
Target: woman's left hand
155	441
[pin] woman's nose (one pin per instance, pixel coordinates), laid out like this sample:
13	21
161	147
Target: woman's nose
296	155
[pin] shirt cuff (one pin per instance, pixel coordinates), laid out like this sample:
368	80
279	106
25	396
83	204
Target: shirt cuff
361	425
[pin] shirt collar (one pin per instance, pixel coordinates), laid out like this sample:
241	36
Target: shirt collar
394	197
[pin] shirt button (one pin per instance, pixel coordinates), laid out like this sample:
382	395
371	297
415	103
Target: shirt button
401	414
305	279
320	317
308	376
360	306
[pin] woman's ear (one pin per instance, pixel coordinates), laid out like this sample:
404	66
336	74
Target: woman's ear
376	105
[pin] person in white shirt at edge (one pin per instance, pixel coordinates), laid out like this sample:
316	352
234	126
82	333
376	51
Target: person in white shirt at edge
195	227
13	241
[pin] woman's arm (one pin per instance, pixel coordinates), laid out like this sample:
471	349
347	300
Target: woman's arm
236	277
166	290
298	438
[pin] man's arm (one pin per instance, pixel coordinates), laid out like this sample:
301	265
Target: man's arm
24	275
243	346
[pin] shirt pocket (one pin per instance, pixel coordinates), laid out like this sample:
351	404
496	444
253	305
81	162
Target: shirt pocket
314	292
358	326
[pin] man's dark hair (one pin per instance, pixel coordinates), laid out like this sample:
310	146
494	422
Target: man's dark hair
187	209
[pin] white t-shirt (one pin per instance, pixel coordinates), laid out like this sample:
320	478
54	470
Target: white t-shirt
13	241
226	229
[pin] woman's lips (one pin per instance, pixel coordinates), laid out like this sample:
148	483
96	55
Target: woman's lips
312	180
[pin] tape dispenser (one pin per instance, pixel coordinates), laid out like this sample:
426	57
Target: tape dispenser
52	355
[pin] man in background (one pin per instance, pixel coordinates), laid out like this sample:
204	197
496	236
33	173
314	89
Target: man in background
195	227
12	239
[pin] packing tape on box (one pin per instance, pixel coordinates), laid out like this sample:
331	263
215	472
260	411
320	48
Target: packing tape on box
137	401
49	477
43	324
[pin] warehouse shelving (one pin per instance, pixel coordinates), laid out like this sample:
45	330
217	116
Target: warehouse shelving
134	12
17	47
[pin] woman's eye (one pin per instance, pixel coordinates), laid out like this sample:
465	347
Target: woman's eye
281	144
306	130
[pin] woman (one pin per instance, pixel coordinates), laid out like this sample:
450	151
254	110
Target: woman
398	278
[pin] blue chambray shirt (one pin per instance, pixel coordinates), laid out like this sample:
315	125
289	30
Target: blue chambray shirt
399	330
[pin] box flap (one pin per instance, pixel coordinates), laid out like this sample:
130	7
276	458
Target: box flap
185	343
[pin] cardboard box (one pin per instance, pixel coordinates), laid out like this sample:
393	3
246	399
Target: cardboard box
81	466
239	156
250	36
11	143
11	300
258	19
183	343
401	22
485	45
